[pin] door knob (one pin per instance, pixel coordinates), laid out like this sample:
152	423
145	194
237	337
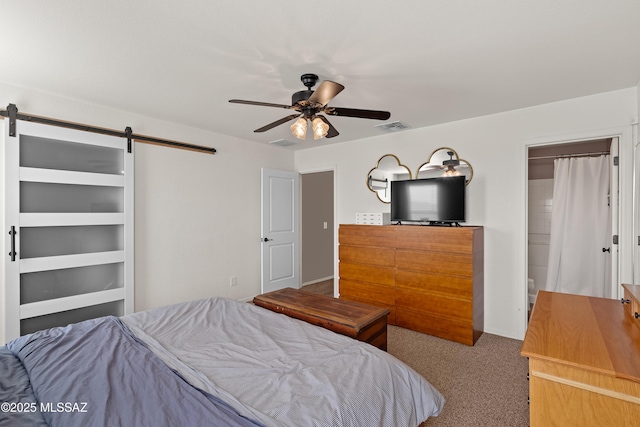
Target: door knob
606	249
266	239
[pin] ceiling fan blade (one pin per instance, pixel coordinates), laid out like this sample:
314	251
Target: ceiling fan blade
262	104
332	131
325	92
354	112
277	123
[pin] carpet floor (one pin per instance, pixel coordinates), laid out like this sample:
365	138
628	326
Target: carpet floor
484	385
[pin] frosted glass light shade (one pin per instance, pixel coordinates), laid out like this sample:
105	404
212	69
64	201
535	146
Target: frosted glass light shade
320	128
299	128
451	171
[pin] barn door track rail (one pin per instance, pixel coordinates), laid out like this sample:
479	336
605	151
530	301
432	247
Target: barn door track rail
12	113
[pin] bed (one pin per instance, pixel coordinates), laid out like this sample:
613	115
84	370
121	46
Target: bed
208	362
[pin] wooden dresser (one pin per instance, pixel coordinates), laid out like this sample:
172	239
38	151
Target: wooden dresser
430	278
584	361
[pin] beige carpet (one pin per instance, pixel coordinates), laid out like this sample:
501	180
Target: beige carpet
325	287
485	385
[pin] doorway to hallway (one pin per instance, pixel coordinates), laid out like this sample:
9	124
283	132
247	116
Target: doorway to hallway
318	231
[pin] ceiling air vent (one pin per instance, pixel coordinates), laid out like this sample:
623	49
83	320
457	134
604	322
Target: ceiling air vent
392	127
282	142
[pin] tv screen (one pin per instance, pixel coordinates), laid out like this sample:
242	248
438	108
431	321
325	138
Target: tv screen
431	200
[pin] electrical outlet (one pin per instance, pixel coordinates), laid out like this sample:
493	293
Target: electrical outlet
233	281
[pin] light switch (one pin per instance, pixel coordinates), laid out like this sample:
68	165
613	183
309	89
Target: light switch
324	225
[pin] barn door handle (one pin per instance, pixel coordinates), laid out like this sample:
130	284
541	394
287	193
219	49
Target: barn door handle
12	233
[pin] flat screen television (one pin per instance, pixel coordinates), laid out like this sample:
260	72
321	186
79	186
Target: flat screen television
431	200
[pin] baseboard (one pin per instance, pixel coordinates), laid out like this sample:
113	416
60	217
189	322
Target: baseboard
318	280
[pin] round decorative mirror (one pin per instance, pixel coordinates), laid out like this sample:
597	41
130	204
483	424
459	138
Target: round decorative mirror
444	161
388	169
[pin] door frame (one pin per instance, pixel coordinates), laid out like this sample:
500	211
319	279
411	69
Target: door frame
625	212
334	169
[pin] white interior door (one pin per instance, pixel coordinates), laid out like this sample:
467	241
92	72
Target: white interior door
280	230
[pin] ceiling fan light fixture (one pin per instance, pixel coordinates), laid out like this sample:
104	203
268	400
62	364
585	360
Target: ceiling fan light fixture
299	128
451	164
320	128
308	103
451	171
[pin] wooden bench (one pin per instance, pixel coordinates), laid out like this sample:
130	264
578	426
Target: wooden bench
362	322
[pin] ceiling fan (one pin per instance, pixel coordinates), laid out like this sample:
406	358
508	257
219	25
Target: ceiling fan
308	105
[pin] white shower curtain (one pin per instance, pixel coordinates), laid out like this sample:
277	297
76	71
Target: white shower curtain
580	227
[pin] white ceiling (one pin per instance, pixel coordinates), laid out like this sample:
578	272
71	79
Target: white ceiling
425	61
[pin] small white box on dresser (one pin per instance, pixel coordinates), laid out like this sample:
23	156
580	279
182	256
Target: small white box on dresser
373	218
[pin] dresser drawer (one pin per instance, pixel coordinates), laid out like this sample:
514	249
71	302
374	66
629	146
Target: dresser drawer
367	235
435	262
435	304
367	273
371	255
633	306
630	306
441	239
367	291
428	323
460	287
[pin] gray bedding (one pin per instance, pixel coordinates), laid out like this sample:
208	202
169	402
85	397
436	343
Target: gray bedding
15	389
216	362
284	372
96	373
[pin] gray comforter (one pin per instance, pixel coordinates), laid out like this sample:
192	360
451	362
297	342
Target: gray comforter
282	371
96	373
216	362
16	394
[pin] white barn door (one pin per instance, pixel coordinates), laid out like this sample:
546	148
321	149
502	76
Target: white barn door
68	227
280	230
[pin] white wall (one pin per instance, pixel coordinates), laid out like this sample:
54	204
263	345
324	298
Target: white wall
197	216
494	145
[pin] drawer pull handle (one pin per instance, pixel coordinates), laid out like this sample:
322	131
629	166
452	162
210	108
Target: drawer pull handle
637	315
625	301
